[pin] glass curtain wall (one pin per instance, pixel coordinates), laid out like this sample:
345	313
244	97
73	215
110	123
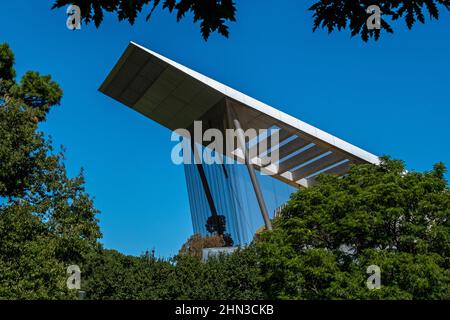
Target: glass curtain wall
234	198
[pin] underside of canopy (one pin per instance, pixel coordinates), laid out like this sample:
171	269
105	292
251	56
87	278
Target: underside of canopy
176	96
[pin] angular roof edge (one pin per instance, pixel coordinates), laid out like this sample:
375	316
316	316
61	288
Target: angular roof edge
305	128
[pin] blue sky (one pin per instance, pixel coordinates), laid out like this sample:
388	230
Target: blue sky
389	97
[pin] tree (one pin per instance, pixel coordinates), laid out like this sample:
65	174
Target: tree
342	14
114	276
196	243
214	14
47	220
328	235
216	226
223	277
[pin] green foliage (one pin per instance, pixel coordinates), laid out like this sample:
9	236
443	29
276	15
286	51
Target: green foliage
113	276
28	268
38	92
195	244
216	226
328	235
219	278
25	155
47	220
7	71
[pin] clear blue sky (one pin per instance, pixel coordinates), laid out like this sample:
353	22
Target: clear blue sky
390	97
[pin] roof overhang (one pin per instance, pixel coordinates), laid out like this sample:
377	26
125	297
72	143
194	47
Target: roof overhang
176	96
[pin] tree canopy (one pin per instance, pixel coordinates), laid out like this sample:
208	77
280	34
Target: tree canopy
47	220
112	275
320	248
214	15
328	235
352	14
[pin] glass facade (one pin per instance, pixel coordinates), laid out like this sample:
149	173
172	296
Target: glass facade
234	198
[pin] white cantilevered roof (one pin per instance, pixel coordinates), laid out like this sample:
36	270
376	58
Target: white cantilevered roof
176	96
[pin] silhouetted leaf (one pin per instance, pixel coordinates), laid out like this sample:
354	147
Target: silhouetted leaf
339	14
212	14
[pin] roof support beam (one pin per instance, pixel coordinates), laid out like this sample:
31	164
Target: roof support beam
301	158
257	148
319	164
292	146
251	170
338	170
